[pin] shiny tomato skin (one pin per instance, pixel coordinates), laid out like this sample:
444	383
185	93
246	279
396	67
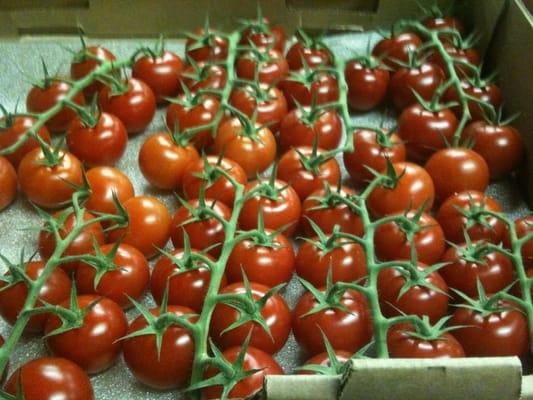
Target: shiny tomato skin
523	226
323	359
135	108
265	265
368	152
390	241
469	55
403	345
453	222
129	279
163	162
413	189
149	225
324	88
295	132
314	57
367	87
396	48
285	211
95	346
82	244
103	182
103	144
8	183
41	100
86	65
172	368
345	331
212	76
51	378
444	23
270	72
215	50
161	73
253	359
490	93
273	37
304	182
55	290
47	186
14	130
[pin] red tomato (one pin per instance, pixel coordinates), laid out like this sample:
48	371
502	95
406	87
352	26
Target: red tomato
210	47
50	378
163	161
149	225
269	65
55	290
8	183
323	360
42	99
367	85
438	23
372	150
397	48
413	190
135	107
488	93
324	88
101	144
129	278
468	55
264	35
94	346
391	243
523	227
85	62
103	182
453	222
268	264
208	76
171	367
161	73
314	54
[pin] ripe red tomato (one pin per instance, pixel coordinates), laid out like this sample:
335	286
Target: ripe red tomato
213	48
264	35
417	300
347	331
161	73
488	93
453	222
11	129
204	76
269	65
275	313
283	210
403	345
85	62
367	85
372	150
8	183
438	23
254	359
413	190
42	99
324	88
135	106
323	360
500	145
391	243
253	154
216	185
50	378
268	264
103	182
129	278
305	181
171	367
55	290
163	161
94	346
314	54
397	48
101	144
523	227
149	225
460	55
82	244
301	128
457	169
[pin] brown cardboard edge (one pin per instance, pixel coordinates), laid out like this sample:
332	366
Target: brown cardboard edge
302	387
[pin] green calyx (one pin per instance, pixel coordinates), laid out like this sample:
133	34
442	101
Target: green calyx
316	158
486	305
327	243
424	330
16	272
189	260
417	277
156	51
310	42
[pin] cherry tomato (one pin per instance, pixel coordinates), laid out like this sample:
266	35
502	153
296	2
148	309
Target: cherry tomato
42	99
163	161
264	35
453	221
466	55
372	150
269	65
135	107
283	210
214	48
266	264
275	313
50	378
297	129
347	331
171	367
209	76
397	48
253	154
85	62
149	225
446	22
11	129
8	183
367	86
103	182
324	88
129	278
55	290
523	227
391	243
314	55
323	360
488	93
49	187
101	144
413	189
457	169
82	244
500	145
161	73
94	346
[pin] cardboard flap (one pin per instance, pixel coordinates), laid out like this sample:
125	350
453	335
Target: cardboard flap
301	387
